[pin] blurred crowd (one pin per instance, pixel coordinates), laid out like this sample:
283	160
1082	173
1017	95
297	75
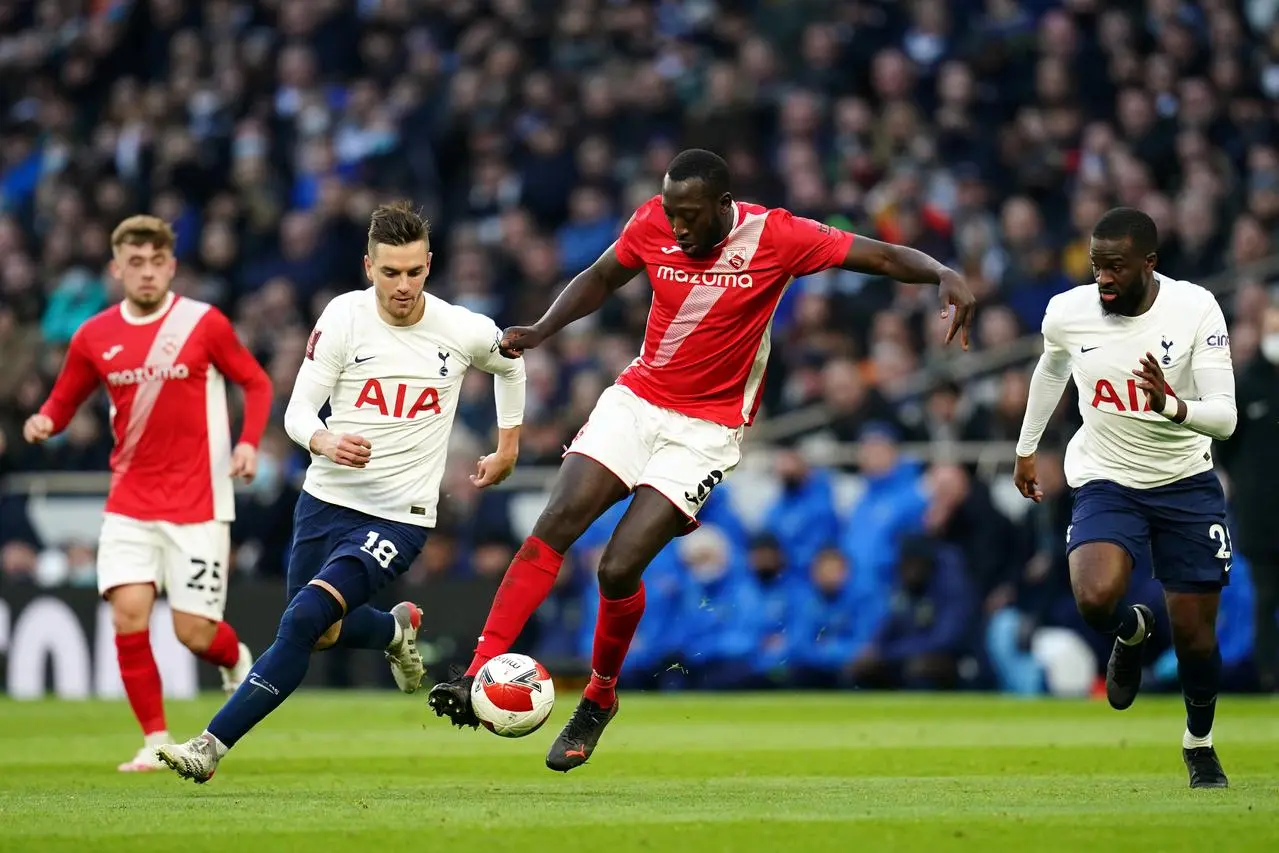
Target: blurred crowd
989	133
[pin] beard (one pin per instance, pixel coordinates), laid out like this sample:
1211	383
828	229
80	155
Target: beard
1125	302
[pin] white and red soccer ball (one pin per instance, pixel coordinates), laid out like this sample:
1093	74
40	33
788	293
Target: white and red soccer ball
512	695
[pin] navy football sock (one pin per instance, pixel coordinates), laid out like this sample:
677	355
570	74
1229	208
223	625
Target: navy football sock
366	628
281	668
1200	680
1122	622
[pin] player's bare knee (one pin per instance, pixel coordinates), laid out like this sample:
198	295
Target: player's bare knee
131	608
1098	579
329	638
194	632
618	576
1097	594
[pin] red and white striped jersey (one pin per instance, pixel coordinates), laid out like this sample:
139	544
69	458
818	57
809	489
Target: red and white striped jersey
708	334
163	373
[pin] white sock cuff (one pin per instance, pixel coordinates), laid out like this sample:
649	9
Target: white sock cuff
1189	741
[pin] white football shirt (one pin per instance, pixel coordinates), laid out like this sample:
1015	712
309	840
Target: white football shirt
1121	439
398	387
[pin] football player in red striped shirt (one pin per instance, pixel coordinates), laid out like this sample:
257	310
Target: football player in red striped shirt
670	429
162	359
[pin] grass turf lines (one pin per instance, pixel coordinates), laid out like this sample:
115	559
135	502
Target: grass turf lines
778	772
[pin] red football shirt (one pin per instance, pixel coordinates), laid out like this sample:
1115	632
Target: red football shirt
708	334
163	373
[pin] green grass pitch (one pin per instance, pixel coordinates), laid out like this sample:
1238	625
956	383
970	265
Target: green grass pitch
777	773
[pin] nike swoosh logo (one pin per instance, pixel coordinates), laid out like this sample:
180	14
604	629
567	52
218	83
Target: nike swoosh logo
1088	349
359	360
669	250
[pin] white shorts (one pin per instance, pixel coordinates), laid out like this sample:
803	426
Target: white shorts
187	562
682	457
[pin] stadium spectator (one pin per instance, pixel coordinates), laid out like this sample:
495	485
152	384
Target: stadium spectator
924	634
892	505
1251	458
831	624
802	518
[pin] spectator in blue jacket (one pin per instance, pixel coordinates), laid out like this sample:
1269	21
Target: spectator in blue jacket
892	506
831	624
921	641
779	592
803	518
717	621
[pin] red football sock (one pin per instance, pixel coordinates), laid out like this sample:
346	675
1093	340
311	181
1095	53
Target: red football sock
141	679
527	582
224	651
614	630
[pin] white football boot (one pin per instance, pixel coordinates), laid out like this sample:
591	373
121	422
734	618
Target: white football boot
233	676
197	759
407	667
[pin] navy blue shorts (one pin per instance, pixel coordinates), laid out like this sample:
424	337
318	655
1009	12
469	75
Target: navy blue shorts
1180	528
324	532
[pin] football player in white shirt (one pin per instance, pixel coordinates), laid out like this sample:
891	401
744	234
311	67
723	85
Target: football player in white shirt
390	361
1150	357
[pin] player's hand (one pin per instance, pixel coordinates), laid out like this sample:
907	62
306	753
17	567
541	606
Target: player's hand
954	293
1151	382
353	451
37	428
516	339
1024	478
244	462
492	469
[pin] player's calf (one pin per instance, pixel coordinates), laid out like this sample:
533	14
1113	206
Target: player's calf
1099	572
1194	634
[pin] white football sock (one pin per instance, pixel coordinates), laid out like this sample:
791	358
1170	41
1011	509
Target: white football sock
219	748
1189	741
155	739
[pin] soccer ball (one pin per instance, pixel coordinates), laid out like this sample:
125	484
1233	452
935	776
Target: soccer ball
512	695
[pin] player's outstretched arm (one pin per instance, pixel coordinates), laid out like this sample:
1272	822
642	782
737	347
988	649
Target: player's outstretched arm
912	266
1046	385
76	381
584	295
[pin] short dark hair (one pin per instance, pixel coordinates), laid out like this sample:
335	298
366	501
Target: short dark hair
397	224
1124	223
702	165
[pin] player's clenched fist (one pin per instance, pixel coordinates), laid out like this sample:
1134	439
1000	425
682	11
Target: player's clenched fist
37	428
353	451
519	338
1025	479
